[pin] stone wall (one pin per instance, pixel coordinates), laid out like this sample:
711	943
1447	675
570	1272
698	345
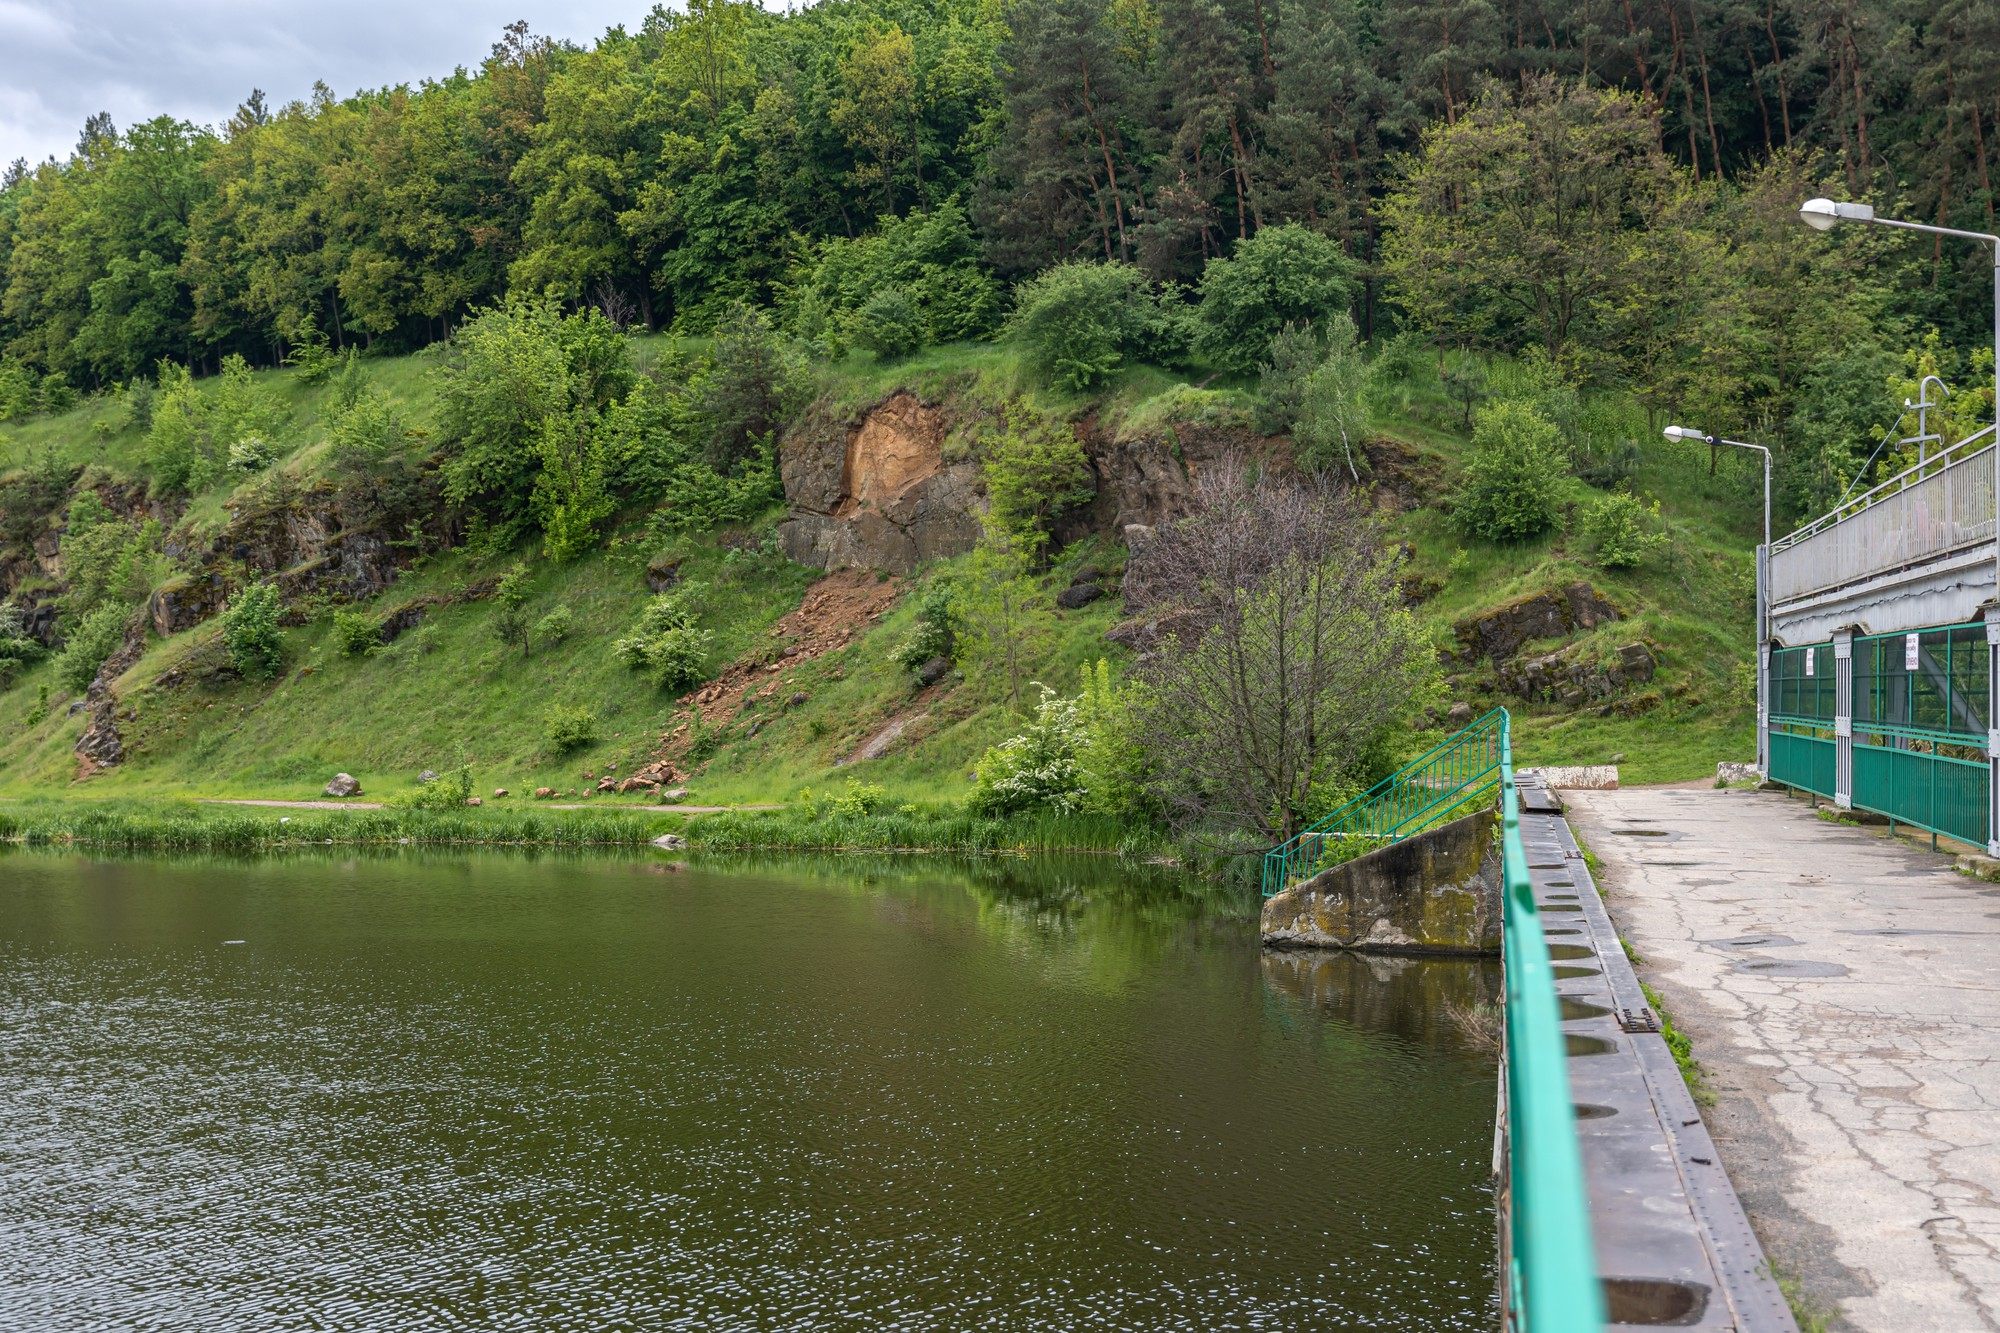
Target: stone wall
1439	892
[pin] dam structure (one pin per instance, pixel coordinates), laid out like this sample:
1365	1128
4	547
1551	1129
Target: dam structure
1876	675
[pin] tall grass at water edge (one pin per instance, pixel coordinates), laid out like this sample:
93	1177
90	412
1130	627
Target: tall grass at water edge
923	830
190	831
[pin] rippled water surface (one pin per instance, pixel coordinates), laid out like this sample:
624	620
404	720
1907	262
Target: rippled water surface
497	1092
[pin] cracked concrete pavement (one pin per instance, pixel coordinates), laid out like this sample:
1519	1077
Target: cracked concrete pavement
1842	989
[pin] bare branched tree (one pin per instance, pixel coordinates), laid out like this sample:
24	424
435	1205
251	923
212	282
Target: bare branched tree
1285	653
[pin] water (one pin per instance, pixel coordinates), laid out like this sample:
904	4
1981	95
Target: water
503	1092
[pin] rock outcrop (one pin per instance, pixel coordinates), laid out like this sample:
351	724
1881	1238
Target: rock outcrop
1498	634
100	746
877	492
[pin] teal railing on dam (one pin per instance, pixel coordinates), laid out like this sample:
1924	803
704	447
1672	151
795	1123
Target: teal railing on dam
1551	1281
1462	770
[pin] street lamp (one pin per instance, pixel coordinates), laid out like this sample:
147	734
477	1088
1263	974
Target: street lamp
1763	577
1821	215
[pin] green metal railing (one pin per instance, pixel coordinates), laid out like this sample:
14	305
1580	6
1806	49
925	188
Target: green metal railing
1552	1282
1465	767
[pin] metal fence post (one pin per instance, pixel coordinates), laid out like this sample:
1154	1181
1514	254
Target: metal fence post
1764	662
1843	719
1993	730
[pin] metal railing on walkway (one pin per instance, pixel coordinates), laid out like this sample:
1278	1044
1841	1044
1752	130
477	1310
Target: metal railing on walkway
1461	770
1552	1280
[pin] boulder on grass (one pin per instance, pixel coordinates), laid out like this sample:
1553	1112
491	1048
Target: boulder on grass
544	793
343	784
474	800
1077	597
670	842
931	672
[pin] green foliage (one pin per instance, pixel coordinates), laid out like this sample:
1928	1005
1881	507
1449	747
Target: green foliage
103	557
854	800
1282	275
92	639
194	433
519	395
17	646
250	631
355	632
446	793
1038	767
1078	322
1513	480
17	390
40	712
1111	759
510	609
570	727
1333	417
571	499
556	626
666	644
914	281
936	634
1623	530
1295	353
751	388
1004	611
888	324
1035	470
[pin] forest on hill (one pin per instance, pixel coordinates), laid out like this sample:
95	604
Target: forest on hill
1611	186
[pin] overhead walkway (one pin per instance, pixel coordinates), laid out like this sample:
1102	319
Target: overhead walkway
1876	680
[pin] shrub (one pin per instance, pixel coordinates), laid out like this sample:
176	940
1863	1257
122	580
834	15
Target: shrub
1039	767
1333	408
355	632
1077	322
250	630
510	609
1623	530
555	626
94	638
889	325
665	645
1294	354
252	453
17	646
17	390
933	258
750	389
852	801
1034	470
1282	275
1513	479
936	633
444	794
569	728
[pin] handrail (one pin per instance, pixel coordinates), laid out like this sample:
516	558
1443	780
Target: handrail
1552	1285
1464	766
1902	481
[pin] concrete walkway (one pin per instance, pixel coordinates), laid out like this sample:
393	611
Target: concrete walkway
1843	990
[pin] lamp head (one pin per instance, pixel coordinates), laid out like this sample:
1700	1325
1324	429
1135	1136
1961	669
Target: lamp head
1821	214
1686	433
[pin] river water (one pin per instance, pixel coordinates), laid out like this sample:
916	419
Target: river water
508	1092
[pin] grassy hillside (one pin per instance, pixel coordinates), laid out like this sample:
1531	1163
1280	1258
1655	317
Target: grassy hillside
451	692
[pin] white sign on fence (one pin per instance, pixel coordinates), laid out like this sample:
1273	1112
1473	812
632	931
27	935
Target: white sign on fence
1909	652
1812	655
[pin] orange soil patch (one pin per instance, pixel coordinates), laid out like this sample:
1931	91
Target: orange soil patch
834	612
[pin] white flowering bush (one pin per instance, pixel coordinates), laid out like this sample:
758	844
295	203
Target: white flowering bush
1039	767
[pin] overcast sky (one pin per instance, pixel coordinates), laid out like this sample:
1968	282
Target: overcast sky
61	60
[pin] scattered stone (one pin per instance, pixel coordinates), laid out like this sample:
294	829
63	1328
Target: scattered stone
611	768
674	795
343	784
1727	772
474	800
637	784
1617	758
499	791
663	573
797	699
76	706
1637	662
427	777
607	784
544	793
670	842
1078	596
1460	715
933	671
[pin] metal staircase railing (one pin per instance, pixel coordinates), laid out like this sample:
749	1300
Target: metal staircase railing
1551	1283
1464	768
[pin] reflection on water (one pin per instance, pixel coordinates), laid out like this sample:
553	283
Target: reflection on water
598	1093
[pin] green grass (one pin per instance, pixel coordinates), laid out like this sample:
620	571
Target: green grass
451	693
1682	1047
177	826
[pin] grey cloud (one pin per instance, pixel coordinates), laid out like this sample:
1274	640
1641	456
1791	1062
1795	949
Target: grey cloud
61	60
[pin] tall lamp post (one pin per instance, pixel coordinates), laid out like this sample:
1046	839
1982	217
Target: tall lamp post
1822	215
1763	592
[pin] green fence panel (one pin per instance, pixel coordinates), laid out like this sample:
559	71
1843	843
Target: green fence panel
1805	762
1931	791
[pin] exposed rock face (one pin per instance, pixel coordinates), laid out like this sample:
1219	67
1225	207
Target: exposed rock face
1078	596
879	494
185	601
1498	634
101	746
1561	677
1439	892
